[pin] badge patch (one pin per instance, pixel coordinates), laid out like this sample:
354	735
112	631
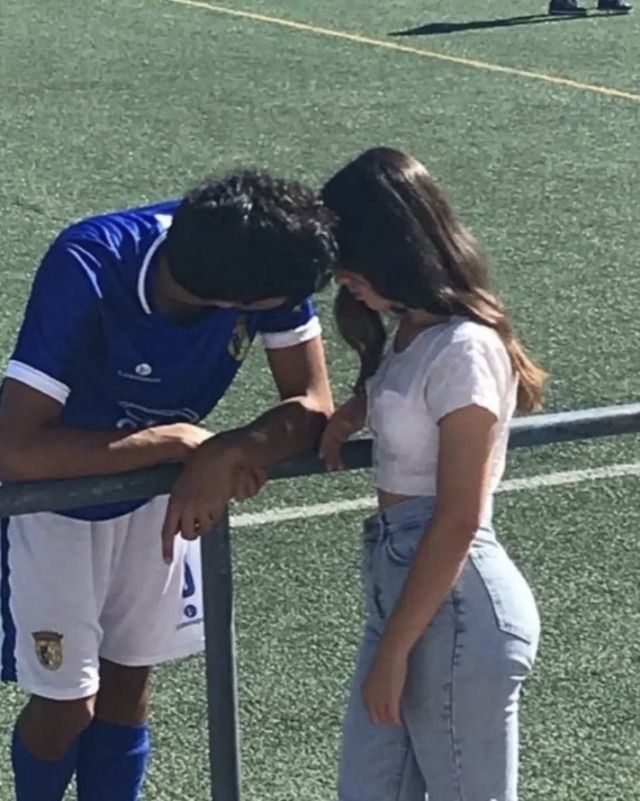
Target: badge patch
49	649
240	342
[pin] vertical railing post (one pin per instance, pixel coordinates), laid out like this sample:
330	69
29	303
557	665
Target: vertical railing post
222	696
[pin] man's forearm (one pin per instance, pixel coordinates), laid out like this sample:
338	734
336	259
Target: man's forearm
58	452
294	426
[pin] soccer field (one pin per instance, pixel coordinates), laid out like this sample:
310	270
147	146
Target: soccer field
532	123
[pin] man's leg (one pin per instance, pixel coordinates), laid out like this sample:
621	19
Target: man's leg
114	750
152	614
45	746
51	591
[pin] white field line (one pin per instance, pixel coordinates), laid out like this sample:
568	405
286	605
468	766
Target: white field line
367	503
385	44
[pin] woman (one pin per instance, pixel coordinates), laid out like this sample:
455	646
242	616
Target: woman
452	628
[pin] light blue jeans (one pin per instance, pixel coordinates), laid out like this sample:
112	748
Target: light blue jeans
459	741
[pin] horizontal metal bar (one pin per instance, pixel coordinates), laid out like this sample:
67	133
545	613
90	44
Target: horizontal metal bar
534	430
547	429
69	493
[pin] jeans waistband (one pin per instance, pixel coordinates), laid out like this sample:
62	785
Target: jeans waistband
418	509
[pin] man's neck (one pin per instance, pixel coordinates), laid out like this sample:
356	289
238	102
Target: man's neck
164	300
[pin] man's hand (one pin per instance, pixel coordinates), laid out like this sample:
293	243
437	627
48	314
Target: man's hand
214	473
234	464
188	435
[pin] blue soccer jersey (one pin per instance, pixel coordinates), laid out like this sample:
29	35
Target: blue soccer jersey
92	339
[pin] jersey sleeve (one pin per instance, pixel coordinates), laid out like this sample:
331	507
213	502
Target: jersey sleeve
470	372
59	318
286	326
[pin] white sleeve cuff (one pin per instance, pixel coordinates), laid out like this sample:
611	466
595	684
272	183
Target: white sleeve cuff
36	379
295	336
484	400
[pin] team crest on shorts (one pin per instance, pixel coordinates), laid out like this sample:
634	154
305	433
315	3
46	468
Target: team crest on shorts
49	649
240	341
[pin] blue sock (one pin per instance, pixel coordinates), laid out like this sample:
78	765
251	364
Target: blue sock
112	762
37	780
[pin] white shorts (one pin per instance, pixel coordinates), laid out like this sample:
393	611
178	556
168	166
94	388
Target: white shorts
73	592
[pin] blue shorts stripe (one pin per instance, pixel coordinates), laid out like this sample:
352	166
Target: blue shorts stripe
7	657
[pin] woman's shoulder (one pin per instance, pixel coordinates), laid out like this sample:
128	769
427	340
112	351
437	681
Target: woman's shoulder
471	365
462	330
460	335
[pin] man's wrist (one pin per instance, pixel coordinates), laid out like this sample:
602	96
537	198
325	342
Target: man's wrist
241	444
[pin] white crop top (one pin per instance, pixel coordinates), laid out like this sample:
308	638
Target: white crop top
446	367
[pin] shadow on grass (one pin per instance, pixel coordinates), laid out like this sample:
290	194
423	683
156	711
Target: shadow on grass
434	28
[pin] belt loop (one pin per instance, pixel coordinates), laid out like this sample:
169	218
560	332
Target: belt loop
487	516
384	525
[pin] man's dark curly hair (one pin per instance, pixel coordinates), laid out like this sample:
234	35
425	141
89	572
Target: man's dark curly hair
249	237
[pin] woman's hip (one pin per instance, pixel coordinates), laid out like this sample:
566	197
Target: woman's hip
491	596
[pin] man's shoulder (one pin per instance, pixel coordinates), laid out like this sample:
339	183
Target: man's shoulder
121	229
108	249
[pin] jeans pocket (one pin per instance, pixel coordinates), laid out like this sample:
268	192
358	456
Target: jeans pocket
401	542
396	554
512	601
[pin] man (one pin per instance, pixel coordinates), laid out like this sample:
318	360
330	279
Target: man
136	326
571	8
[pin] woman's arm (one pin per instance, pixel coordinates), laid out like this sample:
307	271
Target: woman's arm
464	468
347	420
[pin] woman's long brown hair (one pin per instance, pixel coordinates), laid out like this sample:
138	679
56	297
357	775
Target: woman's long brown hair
396	228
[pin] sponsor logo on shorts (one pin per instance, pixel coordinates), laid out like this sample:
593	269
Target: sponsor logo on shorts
190	611
49	649
189	585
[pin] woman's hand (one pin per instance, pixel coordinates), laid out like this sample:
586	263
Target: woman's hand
382	689
345	421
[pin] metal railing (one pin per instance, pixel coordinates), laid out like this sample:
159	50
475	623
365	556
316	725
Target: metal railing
61	494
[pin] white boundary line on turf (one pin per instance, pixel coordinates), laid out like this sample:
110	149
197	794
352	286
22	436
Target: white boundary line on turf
568	477
385	44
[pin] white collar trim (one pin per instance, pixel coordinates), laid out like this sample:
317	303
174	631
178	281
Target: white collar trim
164	222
